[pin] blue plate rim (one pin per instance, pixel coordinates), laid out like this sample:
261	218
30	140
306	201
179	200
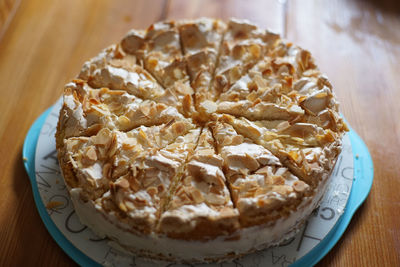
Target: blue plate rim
28	156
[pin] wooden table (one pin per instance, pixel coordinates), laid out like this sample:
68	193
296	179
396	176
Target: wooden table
357	43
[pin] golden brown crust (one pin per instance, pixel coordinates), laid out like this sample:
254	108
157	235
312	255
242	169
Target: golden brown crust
66	168
205	228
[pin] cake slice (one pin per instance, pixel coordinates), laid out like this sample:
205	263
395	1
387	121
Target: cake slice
93	162
87	110
201	40
259	110
271	91
262	189
286	86
243	46
159	50
200	207
117	70
307	150
138	197
268	79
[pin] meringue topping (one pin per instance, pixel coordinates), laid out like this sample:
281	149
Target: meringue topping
219	137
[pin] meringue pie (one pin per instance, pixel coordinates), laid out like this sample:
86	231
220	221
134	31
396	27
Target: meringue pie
198	140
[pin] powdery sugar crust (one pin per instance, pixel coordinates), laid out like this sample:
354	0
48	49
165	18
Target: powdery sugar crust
198	141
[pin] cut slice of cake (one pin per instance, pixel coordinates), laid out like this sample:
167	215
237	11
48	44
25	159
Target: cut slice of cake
263	190
201	40
93	162
88	110
243	46
131	181
307	150
200	207
137	198
286	86
159	50
117	70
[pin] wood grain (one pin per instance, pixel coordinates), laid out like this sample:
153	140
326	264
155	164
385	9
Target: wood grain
267	14
44	47
7	12
365	42
357	43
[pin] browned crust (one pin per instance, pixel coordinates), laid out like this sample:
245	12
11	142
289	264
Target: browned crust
260	216
228	257
205	229
66	167
316	177
138	226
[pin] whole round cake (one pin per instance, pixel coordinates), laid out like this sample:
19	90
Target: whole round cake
198	141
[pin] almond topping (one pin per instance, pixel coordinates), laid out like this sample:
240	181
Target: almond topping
236	140
122	207
129	143
293	155
54	204
152	191
321	95
178	74
107	170
124	121
152	63
187	103
153	126
147	181
179	127
139	202
91	182
160	188
103	137
283	126
257	101
263	170
134	184
278	180
255	50
234	74
91	153
208	106
197	197
300	186
142	134
145	109
130	205
284	190
123	183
